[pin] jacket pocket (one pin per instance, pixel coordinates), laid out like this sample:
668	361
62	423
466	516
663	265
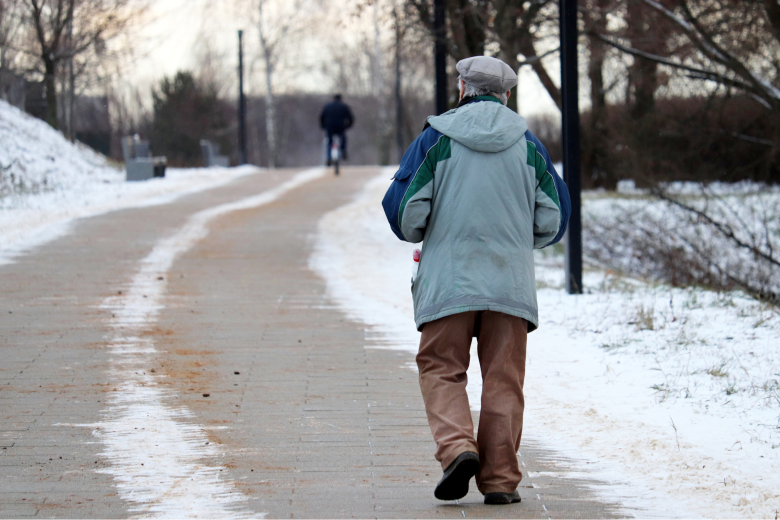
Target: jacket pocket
394	196
402	173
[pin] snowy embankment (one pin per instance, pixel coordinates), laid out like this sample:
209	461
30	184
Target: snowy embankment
670	396
46	183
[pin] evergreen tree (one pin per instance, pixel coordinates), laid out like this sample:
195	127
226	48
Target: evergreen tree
184	113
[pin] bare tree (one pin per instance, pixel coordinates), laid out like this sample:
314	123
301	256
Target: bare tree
10	22
511	27
12	87
277	24
60	31
595	16
731	43
357	68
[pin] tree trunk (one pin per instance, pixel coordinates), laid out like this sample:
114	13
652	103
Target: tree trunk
71	101
644	79
467	24
594	159
399	108
51	91
71	96
270	113
643	74
384	124
509	55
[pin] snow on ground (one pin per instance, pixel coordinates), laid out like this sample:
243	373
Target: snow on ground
34	157
656	239
670	395
183	483
46	183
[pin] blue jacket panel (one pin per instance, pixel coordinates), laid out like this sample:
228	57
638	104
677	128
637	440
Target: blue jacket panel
410	164
560	186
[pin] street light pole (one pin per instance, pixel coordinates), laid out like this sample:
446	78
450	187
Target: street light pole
241	102
440	51
571	142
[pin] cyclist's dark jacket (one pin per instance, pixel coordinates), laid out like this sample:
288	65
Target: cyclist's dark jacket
336	117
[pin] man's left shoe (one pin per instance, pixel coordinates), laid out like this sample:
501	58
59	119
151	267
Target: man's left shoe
455	482
502	498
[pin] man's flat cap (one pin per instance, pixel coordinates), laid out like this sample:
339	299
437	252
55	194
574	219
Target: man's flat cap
486	72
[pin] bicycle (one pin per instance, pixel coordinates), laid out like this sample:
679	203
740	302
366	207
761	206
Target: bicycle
335	152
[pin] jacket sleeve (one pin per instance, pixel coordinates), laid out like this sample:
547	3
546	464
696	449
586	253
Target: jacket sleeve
553	206
407	203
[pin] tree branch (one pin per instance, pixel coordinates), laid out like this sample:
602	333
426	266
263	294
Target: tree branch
526	47
697	34
534	59
762	293
722	228
37	14
696	73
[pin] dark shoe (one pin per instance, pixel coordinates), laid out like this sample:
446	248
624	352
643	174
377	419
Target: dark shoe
502	498
455	482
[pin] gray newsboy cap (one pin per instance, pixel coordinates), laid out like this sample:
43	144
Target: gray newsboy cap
486	72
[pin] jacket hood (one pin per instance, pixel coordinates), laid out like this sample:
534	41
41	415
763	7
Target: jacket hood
483	126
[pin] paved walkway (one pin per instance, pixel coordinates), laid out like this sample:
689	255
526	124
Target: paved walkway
307	418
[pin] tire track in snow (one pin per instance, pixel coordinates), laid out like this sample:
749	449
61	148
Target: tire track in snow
160	459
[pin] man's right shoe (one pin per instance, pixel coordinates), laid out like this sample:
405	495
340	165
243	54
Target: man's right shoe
502	498
455	482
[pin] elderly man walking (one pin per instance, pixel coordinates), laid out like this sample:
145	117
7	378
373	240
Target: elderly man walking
479	189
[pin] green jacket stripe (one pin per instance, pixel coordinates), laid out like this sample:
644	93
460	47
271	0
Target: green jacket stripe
437	153
544	179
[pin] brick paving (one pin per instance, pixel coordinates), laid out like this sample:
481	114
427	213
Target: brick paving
312	418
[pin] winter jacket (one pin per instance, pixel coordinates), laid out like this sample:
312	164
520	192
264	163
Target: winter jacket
336	117
479	189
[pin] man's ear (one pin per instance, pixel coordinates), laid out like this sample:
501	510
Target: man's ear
508	94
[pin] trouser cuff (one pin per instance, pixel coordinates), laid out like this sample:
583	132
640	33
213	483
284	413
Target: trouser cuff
455	452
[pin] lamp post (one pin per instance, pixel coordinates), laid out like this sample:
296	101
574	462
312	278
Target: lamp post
440	53
571	143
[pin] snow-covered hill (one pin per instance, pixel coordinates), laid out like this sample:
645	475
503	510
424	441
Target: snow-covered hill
35	158
47	182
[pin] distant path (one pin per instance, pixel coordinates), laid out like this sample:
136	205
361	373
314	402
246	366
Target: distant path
313	424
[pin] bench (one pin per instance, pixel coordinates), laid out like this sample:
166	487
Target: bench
211	155
139	163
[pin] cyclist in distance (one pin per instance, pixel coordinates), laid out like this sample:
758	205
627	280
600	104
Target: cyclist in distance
335	119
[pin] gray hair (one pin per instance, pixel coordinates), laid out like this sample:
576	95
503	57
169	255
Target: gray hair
472	91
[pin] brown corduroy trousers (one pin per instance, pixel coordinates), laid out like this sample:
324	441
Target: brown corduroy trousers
443	360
